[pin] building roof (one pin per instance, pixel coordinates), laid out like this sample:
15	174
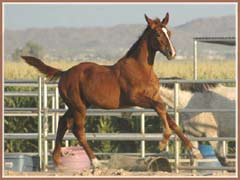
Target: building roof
229	41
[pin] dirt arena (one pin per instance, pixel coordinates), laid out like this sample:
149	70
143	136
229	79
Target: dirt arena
114	172
120	165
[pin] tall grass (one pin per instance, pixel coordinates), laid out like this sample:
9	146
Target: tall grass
20	70
214	69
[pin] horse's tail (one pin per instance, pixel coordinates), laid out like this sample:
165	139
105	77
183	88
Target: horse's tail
50	72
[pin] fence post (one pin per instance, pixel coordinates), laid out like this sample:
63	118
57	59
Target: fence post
224	146
45	125
53	119
176	116
167	147
66	141
40	121
142	132
57	108
195	60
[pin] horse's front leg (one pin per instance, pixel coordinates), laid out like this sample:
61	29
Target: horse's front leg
193	151
162	112
168	123
158	106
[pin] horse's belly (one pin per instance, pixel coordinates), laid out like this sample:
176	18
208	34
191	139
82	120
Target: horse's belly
105	98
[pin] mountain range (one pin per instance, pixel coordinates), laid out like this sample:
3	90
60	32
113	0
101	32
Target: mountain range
110	43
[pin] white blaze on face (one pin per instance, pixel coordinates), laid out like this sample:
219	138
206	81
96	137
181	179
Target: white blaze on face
170	43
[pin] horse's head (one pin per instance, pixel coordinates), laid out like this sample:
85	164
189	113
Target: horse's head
160	36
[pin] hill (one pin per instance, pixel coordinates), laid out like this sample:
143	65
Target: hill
112	42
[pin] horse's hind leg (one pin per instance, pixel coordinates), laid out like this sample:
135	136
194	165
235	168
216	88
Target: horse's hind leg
78	130
62	127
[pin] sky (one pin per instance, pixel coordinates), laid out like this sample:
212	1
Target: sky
29	15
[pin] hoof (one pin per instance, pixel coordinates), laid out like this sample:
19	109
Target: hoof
57	161
96	163
58	165
194	154
197	154
162	146
223	160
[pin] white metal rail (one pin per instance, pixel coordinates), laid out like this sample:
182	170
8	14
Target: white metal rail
43	112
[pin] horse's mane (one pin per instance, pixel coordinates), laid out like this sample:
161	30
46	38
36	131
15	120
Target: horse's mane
134	48
192	87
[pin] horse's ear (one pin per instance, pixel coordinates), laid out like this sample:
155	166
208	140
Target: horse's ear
165	20
150	22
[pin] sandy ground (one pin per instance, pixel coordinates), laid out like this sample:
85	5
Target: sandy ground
120	165
111	172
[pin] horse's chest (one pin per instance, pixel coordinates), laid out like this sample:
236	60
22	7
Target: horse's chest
147	88
148	85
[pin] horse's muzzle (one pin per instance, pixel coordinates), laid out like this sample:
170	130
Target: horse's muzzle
170	57
170	54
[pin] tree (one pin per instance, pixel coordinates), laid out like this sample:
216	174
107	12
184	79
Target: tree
16	54
30	49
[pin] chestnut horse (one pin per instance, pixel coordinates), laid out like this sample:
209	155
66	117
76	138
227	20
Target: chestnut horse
129	82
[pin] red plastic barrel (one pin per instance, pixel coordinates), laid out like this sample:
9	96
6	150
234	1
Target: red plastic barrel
75	158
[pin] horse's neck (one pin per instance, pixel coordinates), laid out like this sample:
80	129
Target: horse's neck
141	51
146	54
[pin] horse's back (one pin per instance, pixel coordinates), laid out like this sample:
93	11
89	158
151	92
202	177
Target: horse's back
96	84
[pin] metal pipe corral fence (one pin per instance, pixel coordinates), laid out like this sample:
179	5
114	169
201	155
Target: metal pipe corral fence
43	112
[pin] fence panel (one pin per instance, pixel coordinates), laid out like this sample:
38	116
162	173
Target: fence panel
43	112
